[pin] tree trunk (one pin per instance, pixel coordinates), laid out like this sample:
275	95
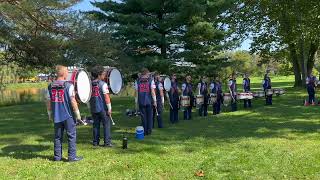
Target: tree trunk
295	64
311	56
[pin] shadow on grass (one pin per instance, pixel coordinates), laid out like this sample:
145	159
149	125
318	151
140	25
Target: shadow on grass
286	116
24	152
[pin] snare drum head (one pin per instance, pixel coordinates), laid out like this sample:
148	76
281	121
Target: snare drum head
167	84
83	85
115	81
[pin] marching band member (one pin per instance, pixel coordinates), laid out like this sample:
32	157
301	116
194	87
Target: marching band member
216	88
311	82
160	100
232	86
145	97
266	84
187	91
203	90
246	88
174	100
63	108
100	106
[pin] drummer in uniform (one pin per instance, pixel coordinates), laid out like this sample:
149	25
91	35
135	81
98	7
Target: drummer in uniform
160	100
216	88
145	98
63	108
311	82
232	86
187	91
174	100
246	88
100	106
203	90
266	84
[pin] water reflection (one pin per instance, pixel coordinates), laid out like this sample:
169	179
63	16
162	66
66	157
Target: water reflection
20	96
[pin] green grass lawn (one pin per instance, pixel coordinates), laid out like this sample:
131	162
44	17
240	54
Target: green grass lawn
266	142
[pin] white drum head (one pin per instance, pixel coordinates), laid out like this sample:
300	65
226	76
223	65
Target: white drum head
167	84
115	81
83	86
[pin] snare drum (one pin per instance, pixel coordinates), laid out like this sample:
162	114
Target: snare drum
199	99
82	84
246	95
114	80
269	92
185	101
213	98
227	98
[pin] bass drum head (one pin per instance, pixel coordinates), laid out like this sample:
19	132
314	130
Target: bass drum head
115	81
83	86
167	84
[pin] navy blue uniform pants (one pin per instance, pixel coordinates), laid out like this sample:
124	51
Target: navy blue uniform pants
146	118
217	107
311	93
234	104
268	99
187	113
103	118
247	103
159	117
203	110
70	127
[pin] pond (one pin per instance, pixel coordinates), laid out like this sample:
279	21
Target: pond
28	95
21	96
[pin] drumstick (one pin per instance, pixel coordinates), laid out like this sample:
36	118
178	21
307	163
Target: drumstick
169	100
84	123
157	111
112	121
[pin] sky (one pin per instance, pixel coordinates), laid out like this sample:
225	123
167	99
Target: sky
85	5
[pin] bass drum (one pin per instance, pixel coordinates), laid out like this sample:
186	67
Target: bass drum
82	84
114	80
167	84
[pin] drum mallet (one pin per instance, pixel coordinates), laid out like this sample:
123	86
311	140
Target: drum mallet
112	121
169	100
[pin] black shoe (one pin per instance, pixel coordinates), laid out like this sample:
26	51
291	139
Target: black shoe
79	158
108	145
57	160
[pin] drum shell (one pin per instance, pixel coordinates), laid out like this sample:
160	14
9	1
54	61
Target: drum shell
269	92
199	99
226	98
213	98
185	101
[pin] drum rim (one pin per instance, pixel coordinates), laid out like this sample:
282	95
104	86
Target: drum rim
107	79
164	83
76	85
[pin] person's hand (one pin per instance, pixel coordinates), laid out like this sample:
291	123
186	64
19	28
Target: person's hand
109	112
155	104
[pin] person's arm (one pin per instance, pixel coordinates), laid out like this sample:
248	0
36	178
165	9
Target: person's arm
199	88
74	103
106	94
153	93
161	93
136	94
49	110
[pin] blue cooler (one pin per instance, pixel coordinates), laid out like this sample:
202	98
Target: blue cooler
139	133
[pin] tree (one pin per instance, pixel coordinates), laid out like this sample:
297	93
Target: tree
283	25
33	32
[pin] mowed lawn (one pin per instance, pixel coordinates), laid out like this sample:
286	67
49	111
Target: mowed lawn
266	142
